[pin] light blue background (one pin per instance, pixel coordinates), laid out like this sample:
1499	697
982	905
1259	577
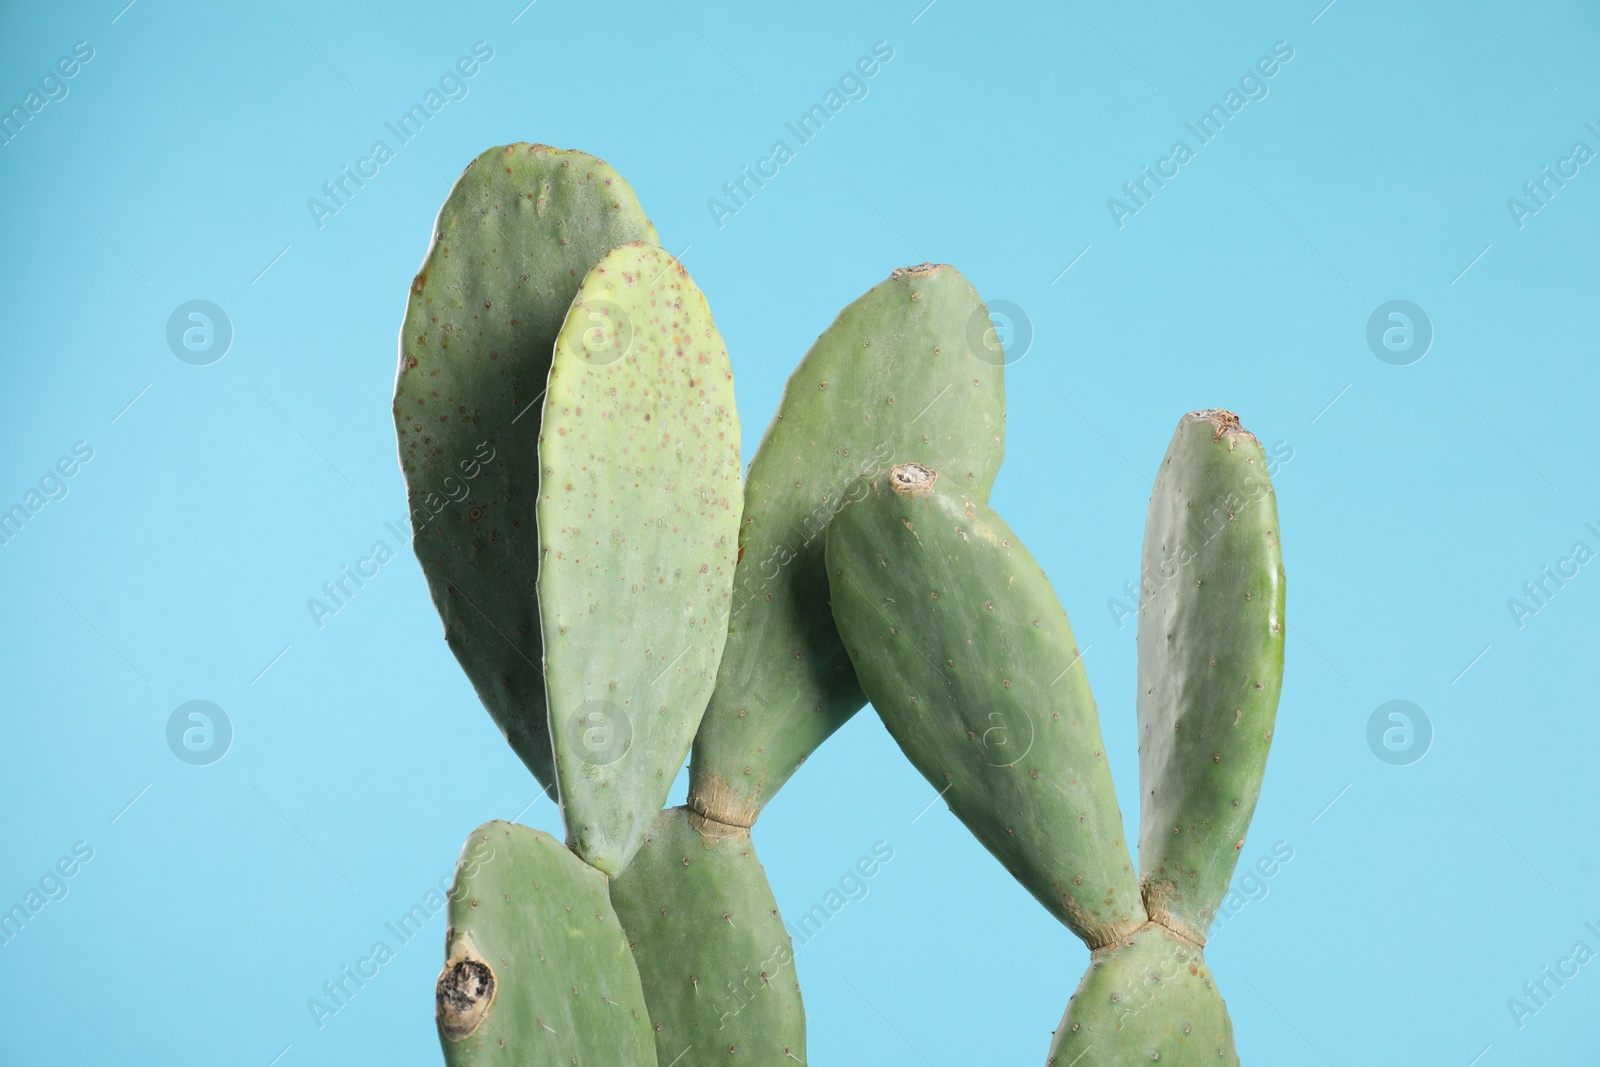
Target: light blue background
179	565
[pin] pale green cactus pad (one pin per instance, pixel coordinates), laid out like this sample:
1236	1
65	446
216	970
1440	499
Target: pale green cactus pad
521	228
638	521
537	968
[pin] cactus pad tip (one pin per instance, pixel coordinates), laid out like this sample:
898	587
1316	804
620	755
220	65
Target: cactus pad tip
1223	422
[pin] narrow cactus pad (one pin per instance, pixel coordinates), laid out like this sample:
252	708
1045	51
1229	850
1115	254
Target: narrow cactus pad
904	372
716	963
1210	664
970	662
1149	998
536	968
521	228
638	521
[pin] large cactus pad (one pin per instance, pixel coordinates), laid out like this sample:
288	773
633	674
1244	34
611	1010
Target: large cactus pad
970	662
521	228
638	516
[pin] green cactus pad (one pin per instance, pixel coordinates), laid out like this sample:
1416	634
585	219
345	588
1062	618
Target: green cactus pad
1210	664
537	968
638	522
716	963
906	371
521	228
1149	998
969	660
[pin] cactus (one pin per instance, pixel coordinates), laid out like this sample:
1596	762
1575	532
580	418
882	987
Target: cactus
638	521
716	963
536	968
971	665
902	372
566	423
968	659
520	230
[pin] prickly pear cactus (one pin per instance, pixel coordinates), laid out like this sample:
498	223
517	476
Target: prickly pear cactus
537	968
638	519
714	958
567	430
902	373
969	660
1210	664
520	230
